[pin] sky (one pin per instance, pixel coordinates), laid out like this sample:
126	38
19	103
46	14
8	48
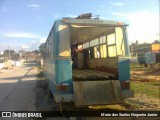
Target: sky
25	24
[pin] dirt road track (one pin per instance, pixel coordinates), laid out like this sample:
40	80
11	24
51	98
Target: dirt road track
17	89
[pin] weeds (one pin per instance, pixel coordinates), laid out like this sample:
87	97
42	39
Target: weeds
148	88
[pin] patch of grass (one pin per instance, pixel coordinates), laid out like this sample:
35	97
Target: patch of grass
148	88
110	107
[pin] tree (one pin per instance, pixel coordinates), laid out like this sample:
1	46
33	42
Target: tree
8	54
21	51
36	51
41	48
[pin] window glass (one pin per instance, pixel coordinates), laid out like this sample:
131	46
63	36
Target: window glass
94	42
120	41
91	52
64	40
96	52
102	39
111	39
103	51
112	51
86	45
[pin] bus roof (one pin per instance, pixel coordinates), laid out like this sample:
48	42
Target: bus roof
93	22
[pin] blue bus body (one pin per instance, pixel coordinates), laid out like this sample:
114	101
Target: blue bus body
102	49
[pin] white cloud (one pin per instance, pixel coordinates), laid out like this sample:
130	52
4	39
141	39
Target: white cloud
21	35
117	4
42	40
15	45
33	41
24	46
18	45
36	43
143	26
34	5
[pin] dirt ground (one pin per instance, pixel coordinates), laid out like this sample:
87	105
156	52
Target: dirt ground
145	73
145	78
145	82
17	88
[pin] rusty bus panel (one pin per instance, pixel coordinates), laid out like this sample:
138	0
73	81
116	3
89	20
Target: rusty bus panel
97	92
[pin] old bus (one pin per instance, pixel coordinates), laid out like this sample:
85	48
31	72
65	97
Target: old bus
86	61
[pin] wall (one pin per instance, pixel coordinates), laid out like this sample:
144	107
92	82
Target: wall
156	47
104	62
11	63
1	65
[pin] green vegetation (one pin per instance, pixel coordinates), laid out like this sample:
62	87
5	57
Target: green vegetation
148	88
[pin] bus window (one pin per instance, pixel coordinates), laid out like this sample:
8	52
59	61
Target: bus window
91	52
64	41
103	51
102	39
120	41
112	51
86	45
96	52
111	39
103	47
94	42
111	43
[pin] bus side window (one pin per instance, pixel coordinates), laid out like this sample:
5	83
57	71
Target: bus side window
120	41
111	43
103	50
96	52
91	52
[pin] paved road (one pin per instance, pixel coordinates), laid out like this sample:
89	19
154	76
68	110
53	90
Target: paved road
17	88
